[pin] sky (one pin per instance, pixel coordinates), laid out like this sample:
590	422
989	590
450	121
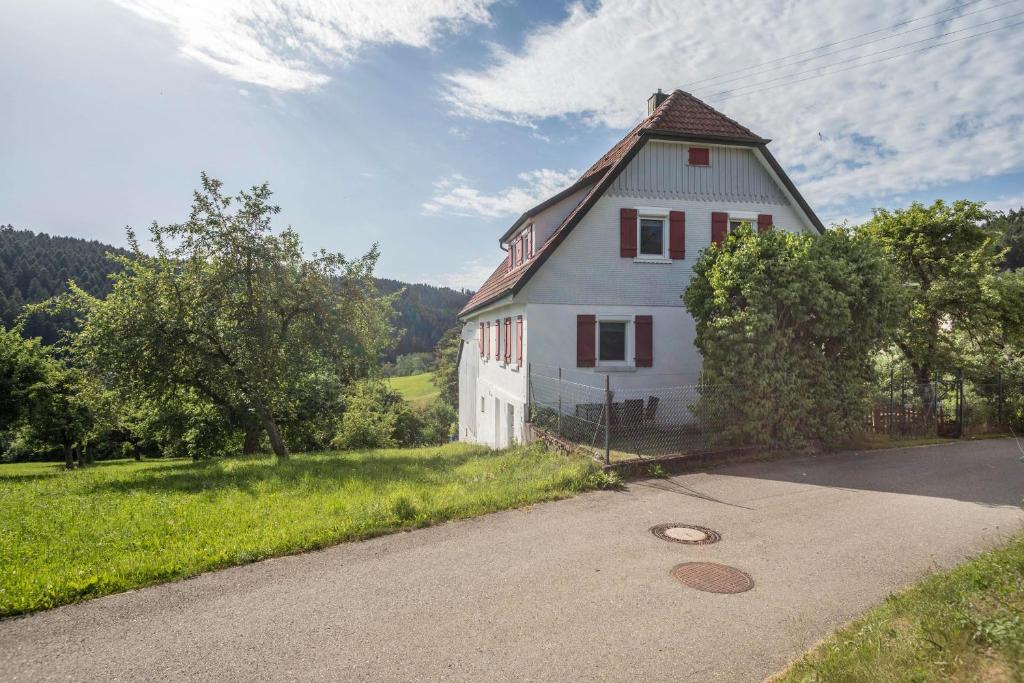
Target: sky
428	126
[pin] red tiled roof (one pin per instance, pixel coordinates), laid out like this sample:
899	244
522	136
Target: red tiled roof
680	114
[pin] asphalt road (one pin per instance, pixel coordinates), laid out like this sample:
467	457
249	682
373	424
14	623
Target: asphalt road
570	590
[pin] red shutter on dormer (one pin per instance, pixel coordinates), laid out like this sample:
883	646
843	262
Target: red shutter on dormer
764	222
508	341
677	234
529	243
497	339
627	233
585	341
719	227
487	341
700	156
519	341
481	340
644	333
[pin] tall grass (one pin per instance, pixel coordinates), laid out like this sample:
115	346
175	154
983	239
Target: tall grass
69	536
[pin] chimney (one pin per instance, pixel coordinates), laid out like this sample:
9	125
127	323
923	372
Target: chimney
654	100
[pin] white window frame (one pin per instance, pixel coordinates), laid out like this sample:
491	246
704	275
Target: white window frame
655	213
629	361
743	216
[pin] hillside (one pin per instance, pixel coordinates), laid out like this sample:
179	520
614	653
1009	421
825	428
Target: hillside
36	266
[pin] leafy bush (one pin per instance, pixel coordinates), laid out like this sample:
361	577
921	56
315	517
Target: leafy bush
788	326
437	420
376	417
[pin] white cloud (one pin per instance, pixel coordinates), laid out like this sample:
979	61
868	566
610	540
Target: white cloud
945	115
455	194
470	275
1006	203
290	44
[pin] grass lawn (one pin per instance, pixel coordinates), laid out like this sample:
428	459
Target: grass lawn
416	388
72	535
963	625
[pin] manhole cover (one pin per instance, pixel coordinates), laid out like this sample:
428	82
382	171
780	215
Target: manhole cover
686	533
711	577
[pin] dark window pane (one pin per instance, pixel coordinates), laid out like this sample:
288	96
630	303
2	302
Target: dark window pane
652	235
613	341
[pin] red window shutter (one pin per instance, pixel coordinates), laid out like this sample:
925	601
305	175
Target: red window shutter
508	341
627	233
700	156
519	252
497	339
481	340
764	222
519	341
719	227
585	340
643	326
487	340
677	234
529	243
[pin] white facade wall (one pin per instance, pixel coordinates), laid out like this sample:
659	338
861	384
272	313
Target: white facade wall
493	411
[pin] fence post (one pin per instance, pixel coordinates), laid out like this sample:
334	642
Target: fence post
961	401
607	420
999	400
903	403
559	427
892	402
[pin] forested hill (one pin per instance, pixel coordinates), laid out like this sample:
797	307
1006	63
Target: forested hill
36	266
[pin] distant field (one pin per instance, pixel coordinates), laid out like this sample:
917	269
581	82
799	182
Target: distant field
72	535
416	388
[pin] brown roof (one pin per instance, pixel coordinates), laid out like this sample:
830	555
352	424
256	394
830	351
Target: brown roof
680	114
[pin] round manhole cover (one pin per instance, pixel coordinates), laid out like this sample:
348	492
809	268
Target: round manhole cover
711	577
686	533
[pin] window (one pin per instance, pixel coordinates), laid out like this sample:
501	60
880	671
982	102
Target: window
652	237
483	404
699	156
611	341
738	219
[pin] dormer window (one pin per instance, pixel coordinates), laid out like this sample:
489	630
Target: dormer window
699	156
520	248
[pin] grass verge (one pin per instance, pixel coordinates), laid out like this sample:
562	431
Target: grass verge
69	536
966	624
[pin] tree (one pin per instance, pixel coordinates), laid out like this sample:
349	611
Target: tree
446	366
23	364
788	326
233	315
376	416
1010	228
948	264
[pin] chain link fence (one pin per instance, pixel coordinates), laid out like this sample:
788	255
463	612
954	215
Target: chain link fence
617	422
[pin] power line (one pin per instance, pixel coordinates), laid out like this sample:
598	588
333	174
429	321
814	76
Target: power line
761	70
838	42
743	90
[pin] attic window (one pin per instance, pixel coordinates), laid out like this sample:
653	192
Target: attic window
700	156
521	247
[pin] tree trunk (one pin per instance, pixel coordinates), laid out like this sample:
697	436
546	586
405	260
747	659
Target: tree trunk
276	442
78	455
252	440
87	454
69	461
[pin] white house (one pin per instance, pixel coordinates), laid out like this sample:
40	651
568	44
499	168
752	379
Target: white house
592	278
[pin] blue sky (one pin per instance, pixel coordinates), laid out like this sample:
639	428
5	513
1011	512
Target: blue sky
428	126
